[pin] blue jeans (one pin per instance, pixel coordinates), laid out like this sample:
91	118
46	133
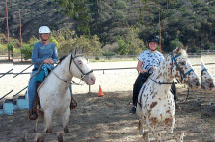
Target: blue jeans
32	88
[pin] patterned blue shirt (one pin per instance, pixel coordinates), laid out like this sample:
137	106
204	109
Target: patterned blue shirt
150	59
40	52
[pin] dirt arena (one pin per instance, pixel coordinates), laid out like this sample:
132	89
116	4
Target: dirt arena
106	118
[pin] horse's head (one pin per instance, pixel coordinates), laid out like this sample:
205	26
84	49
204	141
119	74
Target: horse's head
80	69
182	69
206	78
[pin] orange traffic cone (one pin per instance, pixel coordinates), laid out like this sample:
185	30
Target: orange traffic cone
100	92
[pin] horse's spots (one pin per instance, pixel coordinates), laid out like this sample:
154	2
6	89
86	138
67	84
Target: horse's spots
153	104
168	121
153	96
167	111
153	121
159	98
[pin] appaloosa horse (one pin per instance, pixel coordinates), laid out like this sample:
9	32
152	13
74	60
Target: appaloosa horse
54	92
207	83
155	100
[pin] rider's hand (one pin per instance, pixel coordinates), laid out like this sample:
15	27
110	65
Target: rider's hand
48	61
51	61
154	68
143	71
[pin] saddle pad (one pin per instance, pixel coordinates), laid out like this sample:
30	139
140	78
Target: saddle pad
140	94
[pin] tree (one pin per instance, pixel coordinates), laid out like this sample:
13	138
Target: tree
123	47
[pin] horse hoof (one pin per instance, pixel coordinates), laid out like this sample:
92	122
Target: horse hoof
66	130
48	131
60	137
25	138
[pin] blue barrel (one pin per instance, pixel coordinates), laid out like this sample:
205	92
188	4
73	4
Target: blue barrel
22	102
8	106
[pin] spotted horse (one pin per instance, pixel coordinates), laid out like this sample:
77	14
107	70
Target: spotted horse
207	83
156	102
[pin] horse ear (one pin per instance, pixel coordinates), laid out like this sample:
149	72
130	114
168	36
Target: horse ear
82	50
186	48
75	52
178	49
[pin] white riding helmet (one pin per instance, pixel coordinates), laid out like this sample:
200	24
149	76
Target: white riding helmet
44	30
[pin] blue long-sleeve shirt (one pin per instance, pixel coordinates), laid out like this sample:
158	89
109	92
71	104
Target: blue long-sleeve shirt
40	52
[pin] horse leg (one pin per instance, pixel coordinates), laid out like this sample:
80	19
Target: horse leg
169	123
25	137
60	137
179	137
39	137
65	120
35	129
47	121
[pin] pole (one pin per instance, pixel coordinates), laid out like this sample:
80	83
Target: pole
159	30
20	33
8	39
167	5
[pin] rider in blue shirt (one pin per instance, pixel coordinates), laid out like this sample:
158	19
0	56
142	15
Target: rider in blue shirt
43	52
148	60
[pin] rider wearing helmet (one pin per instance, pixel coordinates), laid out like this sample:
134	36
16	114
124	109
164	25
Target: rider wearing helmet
148	61
43	52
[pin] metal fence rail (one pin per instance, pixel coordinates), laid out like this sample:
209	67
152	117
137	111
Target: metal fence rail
3	74
22	72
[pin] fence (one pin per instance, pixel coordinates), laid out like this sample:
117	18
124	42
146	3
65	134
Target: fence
18	101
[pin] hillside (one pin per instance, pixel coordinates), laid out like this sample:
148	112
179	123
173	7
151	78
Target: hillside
34	14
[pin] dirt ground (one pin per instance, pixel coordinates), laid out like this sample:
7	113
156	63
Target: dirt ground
107	119
99	119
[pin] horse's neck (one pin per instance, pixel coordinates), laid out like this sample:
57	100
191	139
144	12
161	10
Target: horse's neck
62	70
163	74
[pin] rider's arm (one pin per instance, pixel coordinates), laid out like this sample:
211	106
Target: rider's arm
139	67
35	57
55	55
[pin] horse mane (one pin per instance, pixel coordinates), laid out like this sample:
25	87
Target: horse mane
62	58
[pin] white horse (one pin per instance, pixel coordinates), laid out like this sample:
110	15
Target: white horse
155	100
54	92
206	78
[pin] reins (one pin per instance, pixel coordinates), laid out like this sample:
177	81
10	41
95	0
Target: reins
181	73
71	81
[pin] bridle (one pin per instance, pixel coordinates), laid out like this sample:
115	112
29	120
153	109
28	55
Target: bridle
204	69
182	75
72	59
82	76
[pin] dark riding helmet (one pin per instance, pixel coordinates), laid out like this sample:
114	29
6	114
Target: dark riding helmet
153	38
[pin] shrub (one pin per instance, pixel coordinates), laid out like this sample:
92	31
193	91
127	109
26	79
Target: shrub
26	50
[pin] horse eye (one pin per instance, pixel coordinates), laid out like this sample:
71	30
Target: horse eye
182	63
80	63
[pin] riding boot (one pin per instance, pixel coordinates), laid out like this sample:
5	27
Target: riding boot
33	114
73	104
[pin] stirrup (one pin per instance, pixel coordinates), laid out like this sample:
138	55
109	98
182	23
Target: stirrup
31	113
73	104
